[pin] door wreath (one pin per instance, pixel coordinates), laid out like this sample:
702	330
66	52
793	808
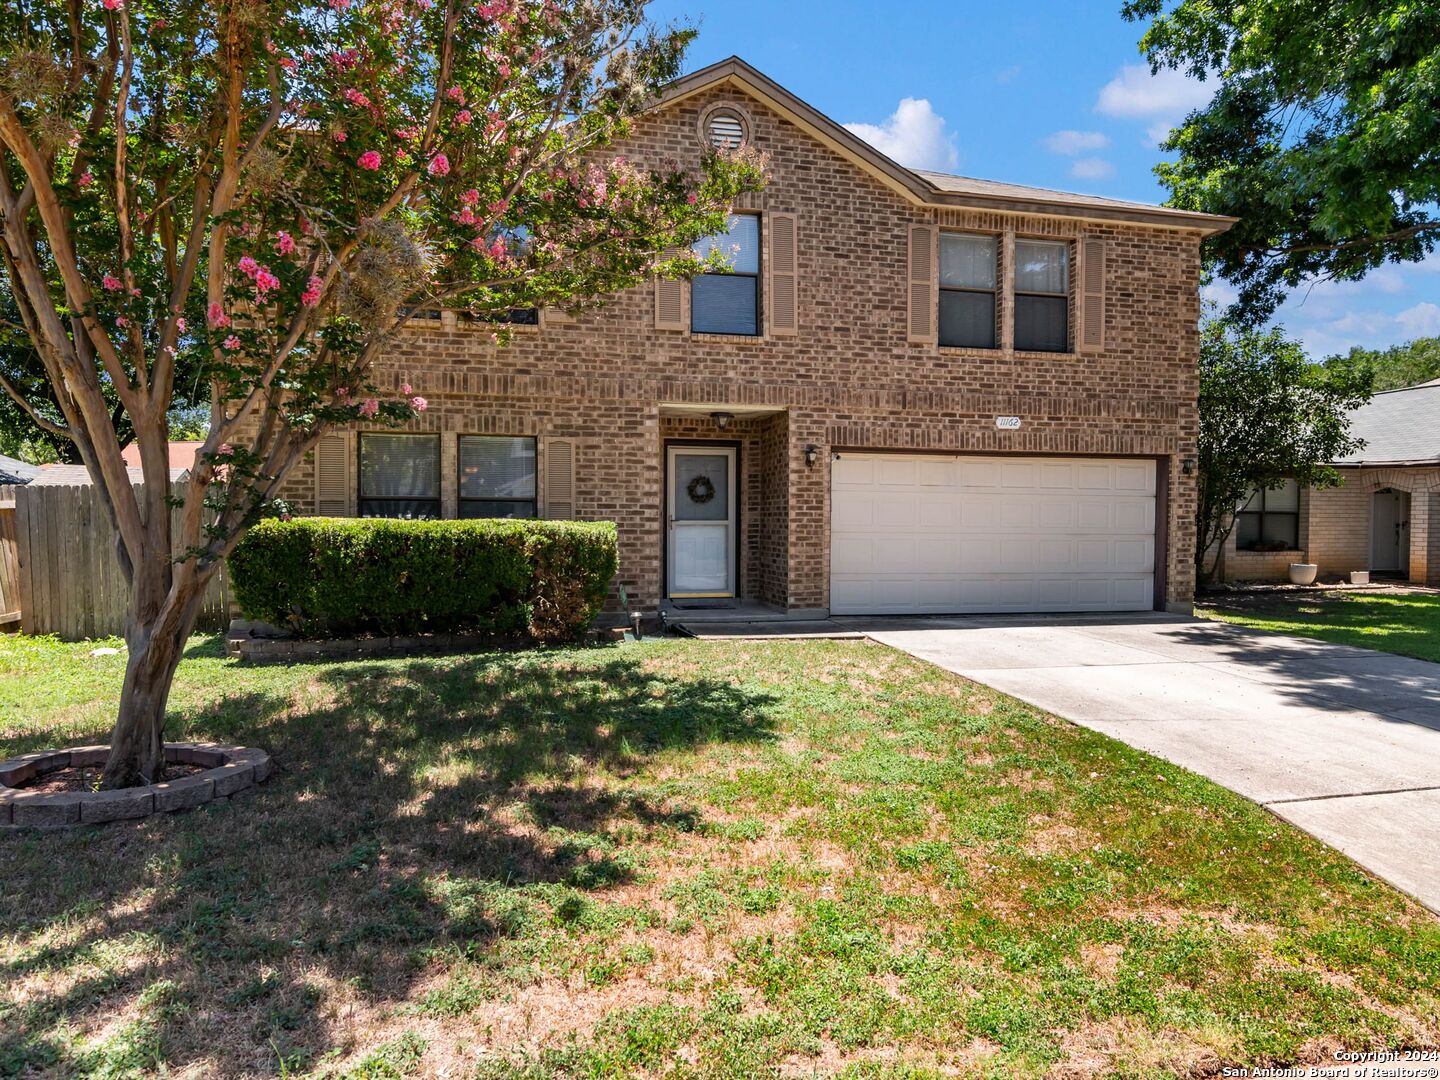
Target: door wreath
701	489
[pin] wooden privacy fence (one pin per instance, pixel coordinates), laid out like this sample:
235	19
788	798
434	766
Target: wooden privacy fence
68	575
9	564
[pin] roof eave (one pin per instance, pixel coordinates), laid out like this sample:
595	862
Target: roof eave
1414	463
906	182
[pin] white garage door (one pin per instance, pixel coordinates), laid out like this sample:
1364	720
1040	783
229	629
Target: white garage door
930	535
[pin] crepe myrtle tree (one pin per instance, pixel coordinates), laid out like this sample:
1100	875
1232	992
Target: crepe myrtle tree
266	191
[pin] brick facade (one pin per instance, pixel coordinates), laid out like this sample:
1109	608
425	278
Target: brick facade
1336	527
613	383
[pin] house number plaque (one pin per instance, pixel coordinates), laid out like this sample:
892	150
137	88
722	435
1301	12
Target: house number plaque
1007	423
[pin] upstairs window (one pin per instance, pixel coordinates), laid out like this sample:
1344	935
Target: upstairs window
497	476
399	476
1042	296
967	290
1270	519
723	303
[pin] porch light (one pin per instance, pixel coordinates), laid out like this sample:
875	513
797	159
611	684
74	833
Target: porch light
812	455
722	419
1187	466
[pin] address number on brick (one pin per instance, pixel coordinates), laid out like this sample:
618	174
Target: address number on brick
1007	423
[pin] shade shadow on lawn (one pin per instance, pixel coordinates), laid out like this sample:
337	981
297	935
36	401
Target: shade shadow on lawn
411	797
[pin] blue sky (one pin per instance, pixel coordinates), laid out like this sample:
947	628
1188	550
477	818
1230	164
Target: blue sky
1046	93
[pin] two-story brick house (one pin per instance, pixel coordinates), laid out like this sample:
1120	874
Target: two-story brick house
916	393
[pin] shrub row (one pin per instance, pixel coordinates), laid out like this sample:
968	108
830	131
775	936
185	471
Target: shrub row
337	577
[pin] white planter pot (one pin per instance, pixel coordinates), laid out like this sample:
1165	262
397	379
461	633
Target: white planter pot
1303	573
1359	577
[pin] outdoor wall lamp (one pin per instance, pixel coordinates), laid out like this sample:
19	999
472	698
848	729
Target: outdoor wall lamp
1187	466
722	419
812	455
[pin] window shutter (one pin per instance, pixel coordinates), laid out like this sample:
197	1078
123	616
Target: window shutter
560	479
1092	294
921	285
332	475
784	316
669	299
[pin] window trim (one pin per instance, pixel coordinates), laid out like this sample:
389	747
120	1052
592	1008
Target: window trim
993	292
1264	513
461	499
1065	294
361	498
758	276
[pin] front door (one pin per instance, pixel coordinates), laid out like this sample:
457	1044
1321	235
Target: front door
1390	531
700	521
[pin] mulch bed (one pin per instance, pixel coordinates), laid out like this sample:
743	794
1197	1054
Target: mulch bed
87	778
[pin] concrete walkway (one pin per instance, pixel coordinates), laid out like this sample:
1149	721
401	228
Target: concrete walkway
1343	742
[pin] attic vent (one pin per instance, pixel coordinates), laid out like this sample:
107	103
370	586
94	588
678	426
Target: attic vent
725	130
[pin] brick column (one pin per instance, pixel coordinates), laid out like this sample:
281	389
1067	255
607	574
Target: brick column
1424	537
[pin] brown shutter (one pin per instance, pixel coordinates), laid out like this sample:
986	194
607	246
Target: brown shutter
1092	294
560	479
784	314
920	286
669	299
332	475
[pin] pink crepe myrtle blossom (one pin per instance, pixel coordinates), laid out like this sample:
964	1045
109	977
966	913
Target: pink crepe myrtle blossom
311	296
86	179
343	392
340	136
122	322
181	326
265	282
369	407
357	97
113	5
463	117
110	283
369	160
439	165
456	94
232	343
470	198
249	266
406	388
284	243
419	404
215	316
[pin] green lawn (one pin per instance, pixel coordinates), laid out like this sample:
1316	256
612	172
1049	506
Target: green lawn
680	859
1407	623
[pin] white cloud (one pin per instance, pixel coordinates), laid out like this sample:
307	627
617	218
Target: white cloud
1422	320
914	135
1137	94
1075	142
1092	168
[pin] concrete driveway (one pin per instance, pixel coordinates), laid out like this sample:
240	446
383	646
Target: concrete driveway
1343	742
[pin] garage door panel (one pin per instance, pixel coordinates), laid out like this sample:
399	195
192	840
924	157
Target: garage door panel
928	535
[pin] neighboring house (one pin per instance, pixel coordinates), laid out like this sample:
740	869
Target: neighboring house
1384	518
917	392
16	472
182	455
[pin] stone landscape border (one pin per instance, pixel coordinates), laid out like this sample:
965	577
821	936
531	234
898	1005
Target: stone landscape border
227	769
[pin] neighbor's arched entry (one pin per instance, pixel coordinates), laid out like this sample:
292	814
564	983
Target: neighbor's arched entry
1390	532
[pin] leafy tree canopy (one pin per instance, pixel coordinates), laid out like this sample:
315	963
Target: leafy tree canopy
263	192
1323	136
1416	362
1267	414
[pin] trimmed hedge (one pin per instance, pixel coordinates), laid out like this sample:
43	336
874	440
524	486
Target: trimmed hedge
334	577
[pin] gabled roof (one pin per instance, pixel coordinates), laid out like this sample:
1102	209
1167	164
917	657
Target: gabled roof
927	188
16	472
1400	427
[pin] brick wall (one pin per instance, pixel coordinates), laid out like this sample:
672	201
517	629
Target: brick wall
847	378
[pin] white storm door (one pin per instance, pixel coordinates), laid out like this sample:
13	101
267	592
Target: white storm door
700	521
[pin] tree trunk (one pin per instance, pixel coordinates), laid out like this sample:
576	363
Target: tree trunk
137	744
